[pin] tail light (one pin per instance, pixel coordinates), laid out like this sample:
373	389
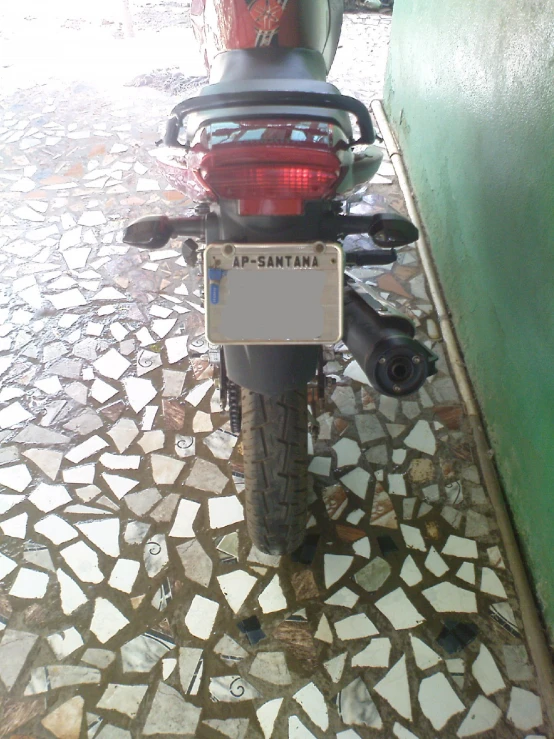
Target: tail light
275	178
271	167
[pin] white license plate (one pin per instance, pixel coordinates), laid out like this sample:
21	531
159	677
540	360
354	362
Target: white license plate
274	293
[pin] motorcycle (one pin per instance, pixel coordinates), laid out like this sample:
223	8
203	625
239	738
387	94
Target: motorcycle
269	152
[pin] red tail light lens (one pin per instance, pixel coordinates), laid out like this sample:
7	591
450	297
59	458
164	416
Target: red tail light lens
287	174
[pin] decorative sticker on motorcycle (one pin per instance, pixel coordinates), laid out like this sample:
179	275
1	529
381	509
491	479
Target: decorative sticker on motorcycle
266	15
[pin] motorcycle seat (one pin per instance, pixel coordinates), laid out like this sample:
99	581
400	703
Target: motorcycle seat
266	70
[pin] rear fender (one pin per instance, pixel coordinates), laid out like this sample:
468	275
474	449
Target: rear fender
271	370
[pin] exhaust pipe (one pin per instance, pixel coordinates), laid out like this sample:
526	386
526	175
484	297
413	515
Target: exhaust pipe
382	342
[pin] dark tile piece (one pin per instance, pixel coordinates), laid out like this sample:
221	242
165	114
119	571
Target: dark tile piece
304	585
173	415
252	629
450	416
17	713
305	554
456	635
300	642
113	411
386	545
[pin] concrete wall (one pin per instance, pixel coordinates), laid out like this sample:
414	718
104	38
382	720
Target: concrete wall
470	94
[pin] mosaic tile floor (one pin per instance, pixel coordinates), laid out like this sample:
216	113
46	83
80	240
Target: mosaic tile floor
131	601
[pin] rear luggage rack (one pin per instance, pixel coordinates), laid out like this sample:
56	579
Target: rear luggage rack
271	98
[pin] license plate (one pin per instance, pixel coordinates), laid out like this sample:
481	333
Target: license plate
273	293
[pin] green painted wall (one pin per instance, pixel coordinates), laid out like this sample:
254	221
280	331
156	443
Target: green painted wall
470	94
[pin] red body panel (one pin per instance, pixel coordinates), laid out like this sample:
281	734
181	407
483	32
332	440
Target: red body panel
222	25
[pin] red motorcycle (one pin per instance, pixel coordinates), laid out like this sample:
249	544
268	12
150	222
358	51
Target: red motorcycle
269	151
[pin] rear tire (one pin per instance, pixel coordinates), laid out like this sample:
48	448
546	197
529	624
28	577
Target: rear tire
275	438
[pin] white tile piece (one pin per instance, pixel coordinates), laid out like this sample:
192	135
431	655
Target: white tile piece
165	470
177	348
16	527
267	715
358	626
272	598
402	733
486	672
297	730
467	573
482	716
170	714
185	517
422	438
335	667
232	689
197	394
457	546
119	485
103	534
9	501
524	711
107	620
335	566
54	677
347	451
356	706
312	701
125	699
29	584
120	461
123	433
56	529
15	478
83	561
236	587
424	656
112	364
435	563
399	610
15	649
143	653
67	299
83	475
156	556
410	572
445	597
7	565
491	583
48	497
394	688
222	442
162	326
229	650
397	485
357	481
343	597
320	466
376	654
63	643
438	700
139	392
271	667
151	441
362	547
225	511
191	668
201	617
102	391
323	632
124	575
71	595
202	422
413	538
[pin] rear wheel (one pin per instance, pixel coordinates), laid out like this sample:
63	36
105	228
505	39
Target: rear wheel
275	434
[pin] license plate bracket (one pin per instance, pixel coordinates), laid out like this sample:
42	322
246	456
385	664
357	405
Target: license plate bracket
274	293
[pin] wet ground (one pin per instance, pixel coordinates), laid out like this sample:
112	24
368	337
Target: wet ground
131	601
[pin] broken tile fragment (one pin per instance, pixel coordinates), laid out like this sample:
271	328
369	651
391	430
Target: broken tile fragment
438	700
171	715
271	667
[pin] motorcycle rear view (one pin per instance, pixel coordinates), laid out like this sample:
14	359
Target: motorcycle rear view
269	153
